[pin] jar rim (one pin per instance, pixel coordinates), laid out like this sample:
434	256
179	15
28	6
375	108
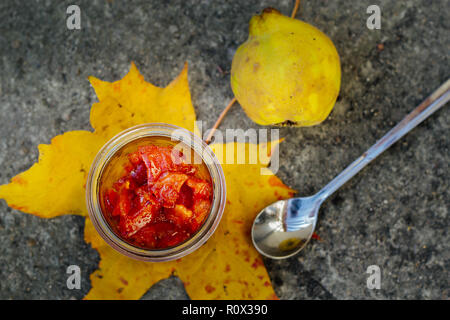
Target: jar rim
175	133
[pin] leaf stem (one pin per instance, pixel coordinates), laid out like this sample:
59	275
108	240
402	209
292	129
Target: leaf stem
219	120
296	6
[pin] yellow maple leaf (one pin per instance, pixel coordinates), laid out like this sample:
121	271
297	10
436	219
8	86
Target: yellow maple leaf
226	267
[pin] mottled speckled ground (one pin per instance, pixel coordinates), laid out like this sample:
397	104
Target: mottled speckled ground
393	214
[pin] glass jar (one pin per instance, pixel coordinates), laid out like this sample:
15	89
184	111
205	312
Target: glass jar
113	155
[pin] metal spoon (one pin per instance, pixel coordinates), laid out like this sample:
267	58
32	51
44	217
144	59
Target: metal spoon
284	228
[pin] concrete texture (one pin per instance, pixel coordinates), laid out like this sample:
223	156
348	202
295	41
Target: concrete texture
394	214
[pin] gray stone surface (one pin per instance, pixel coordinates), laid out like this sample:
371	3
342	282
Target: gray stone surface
394	214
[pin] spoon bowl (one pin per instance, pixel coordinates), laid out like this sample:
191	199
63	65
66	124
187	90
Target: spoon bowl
283	228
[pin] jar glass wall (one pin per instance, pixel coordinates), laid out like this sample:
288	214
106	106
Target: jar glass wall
108	165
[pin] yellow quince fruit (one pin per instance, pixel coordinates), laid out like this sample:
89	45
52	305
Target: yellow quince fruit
287	72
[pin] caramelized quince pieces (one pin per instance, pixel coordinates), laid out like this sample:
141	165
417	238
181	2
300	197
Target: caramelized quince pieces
201	209
201	188
131	224
168	188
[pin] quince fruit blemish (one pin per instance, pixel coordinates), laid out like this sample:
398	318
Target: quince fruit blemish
287	72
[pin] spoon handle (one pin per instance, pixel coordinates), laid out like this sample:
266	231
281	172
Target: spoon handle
436	100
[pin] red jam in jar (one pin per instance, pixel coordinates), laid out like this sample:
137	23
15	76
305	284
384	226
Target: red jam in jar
154	198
